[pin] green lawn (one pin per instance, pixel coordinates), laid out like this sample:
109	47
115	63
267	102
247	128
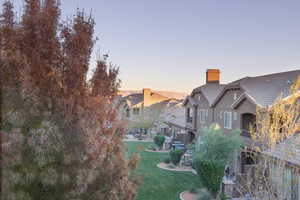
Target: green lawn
159	184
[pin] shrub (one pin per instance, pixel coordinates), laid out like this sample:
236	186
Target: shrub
210	173
204	195
159	140
175	156
213	151
167	160
215	144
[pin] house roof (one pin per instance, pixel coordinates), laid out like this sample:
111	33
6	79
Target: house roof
189	99
178	121
175	115
138	98
264	90
134	99
210	91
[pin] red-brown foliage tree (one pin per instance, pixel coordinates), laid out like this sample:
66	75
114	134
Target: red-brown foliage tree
62	137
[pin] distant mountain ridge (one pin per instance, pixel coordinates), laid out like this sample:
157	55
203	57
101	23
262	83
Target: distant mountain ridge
169	94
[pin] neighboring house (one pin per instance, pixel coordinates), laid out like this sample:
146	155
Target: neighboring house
150	107
233	106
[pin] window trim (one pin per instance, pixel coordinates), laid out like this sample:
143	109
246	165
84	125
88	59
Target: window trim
227	113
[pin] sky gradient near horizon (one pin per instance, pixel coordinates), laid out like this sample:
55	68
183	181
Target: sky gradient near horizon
169	44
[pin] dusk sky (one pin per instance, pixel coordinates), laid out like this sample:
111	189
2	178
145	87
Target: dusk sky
169	44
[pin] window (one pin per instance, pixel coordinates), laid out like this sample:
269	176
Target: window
227	120
202	114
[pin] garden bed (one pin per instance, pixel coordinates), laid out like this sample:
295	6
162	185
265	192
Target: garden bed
176	168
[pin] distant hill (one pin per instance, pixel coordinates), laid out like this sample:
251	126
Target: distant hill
169	94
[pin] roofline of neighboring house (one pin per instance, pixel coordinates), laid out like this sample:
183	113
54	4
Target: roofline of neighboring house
192	94
200	92
187	99
266	75
237	85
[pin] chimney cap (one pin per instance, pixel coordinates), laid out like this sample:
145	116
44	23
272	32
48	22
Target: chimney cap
213	70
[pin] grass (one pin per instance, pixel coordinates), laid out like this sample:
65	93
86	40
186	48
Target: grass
159	184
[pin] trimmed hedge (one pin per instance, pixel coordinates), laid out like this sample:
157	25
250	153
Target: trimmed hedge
175	156
159	140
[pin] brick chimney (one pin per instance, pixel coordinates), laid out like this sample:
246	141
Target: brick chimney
213	76
147	96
